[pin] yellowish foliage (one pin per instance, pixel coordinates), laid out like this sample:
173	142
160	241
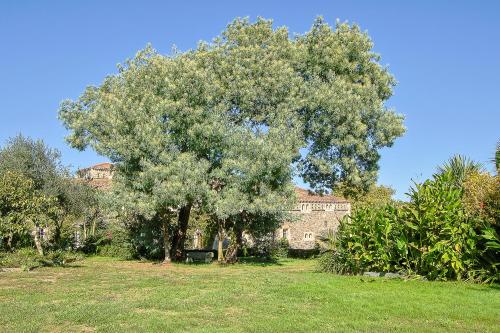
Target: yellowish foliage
481	194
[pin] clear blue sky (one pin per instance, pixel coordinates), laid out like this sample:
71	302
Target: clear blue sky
444	54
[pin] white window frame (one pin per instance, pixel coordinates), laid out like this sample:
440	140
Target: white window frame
285	233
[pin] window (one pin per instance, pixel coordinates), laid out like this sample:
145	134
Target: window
306	208
308	236
41	233
286	233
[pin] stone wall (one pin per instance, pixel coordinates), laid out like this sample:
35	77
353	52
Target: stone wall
96	174
312	221
98	171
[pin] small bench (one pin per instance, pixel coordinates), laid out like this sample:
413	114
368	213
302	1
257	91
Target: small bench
199	256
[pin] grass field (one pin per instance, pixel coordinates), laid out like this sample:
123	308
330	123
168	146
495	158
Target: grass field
107	295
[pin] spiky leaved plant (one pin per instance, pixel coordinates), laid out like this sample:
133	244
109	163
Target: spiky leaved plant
460	167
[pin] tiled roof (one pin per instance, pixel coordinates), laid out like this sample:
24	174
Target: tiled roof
102	166
304	195
99	166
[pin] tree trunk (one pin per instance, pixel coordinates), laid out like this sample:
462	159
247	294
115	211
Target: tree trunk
57	233
232	250
220	239
38	242
94	219
166	242
9	241
179	239
239	236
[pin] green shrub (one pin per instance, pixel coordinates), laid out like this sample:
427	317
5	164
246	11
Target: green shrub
116	251
25	258
270	248
143	238
331	262
281	248
91	243
28	259
114	241
430	236
364	242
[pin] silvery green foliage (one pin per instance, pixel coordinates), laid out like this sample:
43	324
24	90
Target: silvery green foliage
223	124
345	119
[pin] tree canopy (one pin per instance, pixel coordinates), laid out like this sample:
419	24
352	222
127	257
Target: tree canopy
223	125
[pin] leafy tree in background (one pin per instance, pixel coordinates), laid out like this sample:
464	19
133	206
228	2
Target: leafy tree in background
23	210
181	128
83	209
181	142
40	164
35	161
376	196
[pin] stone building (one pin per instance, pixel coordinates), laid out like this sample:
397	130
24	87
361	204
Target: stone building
98	176
97	171
315	215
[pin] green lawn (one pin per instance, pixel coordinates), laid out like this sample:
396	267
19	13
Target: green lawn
104	295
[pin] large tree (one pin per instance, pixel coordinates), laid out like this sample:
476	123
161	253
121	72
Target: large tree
222	125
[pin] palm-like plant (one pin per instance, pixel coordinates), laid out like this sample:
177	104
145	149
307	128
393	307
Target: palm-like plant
460	167
328	241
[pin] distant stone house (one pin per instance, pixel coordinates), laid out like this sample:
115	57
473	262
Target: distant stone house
98	176
315	214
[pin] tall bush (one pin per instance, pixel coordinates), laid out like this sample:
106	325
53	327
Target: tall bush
439	238
432	236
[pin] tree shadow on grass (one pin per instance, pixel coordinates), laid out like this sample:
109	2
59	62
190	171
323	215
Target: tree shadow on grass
71	266
494	286
256	261
250	261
